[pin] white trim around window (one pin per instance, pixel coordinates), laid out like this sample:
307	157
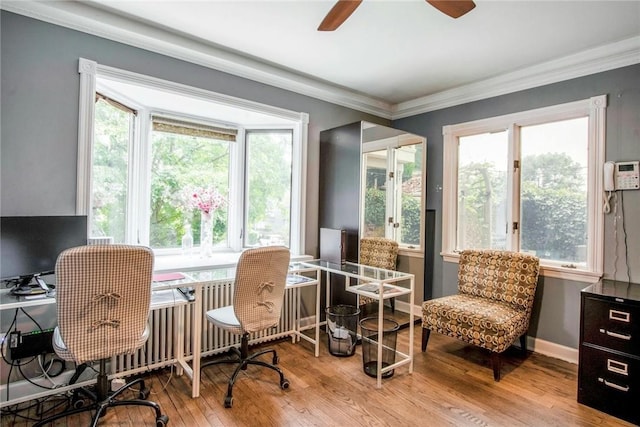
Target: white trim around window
89	72
595	109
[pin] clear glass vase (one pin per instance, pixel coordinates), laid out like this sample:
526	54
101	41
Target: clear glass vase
206	235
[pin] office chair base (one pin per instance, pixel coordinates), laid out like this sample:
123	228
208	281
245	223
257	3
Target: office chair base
100	405
284	383
243	360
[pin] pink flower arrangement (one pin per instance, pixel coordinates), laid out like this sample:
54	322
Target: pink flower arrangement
206	199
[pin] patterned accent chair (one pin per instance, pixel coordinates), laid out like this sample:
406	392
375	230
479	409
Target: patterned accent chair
493	305
258	295
381	253
103	295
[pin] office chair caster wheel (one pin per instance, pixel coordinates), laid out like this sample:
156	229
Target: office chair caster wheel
77	402
276	359
162	421
284	384
228	401
144	393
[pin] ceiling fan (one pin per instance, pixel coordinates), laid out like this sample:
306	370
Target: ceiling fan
344	8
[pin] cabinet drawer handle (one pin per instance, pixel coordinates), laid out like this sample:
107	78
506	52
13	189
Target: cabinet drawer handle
617	335
617	367
614	385
621	316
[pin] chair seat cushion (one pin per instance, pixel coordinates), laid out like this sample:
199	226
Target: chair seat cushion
225	318
476	320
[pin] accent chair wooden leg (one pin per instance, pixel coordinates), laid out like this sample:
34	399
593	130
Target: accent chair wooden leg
425	338
523	344
496	361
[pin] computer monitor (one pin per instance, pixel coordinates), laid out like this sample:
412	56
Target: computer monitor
30	245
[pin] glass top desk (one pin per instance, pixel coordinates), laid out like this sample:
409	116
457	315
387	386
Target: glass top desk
379	284
165	295
198	279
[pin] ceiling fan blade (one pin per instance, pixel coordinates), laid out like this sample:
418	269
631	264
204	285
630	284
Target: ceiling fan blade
338	14
453	8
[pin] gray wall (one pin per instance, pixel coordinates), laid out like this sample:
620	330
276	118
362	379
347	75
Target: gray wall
40	89
556	315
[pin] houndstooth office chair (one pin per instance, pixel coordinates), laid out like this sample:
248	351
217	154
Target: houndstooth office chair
257	301
103	297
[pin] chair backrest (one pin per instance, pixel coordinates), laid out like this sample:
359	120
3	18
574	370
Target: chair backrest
378	252
103	294
259	287
509	277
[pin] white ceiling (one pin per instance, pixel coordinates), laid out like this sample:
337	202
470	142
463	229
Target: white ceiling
389	55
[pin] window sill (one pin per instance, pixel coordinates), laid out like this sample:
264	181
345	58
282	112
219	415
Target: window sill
172	262
412	253
557	272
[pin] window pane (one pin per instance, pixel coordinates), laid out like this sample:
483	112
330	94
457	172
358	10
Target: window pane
409	164
268	187
109	177
375	193
554	190
182	165
482	191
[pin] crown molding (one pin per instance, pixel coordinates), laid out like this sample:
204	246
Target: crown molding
102	23
603	58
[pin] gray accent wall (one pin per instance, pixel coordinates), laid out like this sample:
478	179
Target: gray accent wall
39	103
556	316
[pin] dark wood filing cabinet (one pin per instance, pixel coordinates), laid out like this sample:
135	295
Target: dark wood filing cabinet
609	363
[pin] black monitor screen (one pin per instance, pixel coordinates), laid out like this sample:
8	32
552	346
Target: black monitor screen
31	244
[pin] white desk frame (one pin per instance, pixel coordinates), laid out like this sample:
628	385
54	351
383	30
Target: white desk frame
402	284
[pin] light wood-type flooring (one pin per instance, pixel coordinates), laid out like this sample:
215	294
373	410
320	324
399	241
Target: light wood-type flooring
452	384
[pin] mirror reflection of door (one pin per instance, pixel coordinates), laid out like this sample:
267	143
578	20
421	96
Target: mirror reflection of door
392	197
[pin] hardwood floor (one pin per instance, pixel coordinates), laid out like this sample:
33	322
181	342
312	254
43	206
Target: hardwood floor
452	384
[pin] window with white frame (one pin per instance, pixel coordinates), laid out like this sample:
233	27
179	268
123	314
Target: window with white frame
154	162
529	182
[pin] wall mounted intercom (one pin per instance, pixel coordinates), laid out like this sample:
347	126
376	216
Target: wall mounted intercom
621	176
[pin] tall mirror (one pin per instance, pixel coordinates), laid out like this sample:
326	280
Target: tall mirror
392	185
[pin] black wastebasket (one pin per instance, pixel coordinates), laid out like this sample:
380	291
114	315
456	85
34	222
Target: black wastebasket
370	339
342	329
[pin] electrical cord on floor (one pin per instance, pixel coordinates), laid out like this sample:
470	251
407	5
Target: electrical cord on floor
66	400
165	385
17	411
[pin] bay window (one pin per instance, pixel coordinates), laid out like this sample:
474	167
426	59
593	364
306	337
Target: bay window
153	162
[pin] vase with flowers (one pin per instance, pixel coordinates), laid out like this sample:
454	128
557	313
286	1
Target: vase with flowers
207	201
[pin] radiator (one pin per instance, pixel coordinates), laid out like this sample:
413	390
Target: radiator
158	351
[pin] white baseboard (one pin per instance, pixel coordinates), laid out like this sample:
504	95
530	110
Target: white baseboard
554	350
